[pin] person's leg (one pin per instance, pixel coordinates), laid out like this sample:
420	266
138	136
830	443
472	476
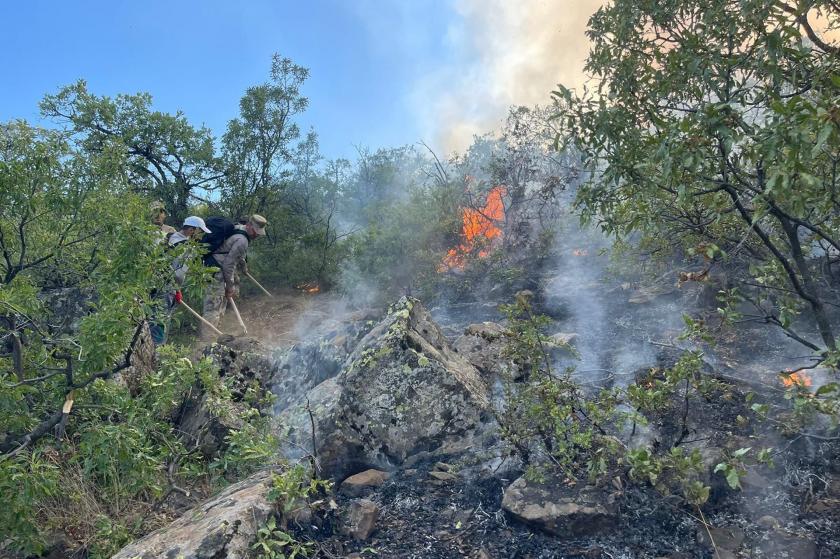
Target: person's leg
214	306
157	320
158	332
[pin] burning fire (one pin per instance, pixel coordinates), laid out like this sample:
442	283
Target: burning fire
310	287
580	252
798	378
480	228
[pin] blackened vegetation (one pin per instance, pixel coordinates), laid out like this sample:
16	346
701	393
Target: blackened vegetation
420	519
790	512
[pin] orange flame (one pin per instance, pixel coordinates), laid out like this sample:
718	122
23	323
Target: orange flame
798	378
580	252
311	287
480	229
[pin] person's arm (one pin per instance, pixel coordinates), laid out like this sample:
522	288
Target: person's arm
181	268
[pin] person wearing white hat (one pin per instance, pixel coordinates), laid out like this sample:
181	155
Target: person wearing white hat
192	229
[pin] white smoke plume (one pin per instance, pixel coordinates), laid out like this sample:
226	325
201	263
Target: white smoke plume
507	53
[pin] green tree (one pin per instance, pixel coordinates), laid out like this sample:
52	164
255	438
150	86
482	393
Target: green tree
256	149
50	211
712	130
406	212
166	157
78	450
304	243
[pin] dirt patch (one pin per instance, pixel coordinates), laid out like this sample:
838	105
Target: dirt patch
284	319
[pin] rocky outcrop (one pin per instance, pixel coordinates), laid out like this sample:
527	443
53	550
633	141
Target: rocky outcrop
142	363
68	306
221	528
306	365
483	345
360	519
401	391
558	509
248	366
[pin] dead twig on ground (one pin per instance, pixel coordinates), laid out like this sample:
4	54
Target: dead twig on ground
709	532
316	469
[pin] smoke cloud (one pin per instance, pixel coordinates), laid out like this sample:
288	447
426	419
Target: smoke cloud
507	53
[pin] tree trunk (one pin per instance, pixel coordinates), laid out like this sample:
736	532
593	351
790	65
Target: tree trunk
817	306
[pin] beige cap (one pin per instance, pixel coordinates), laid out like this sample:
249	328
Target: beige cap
258	222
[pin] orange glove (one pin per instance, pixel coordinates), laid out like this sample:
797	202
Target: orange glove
178	297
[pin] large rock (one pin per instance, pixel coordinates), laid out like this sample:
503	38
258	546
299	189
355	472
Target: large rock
560	510
360	519
483	345
221	528
248	366
403	390
67	307
363	482
306	365
143	362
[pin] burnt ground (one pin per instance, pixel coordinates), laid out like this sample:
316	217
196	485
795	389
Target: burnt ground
792	510
797	517
420	519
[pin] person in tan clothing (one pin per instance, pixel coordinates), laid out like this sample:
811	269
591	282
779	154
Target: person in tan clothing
230	257
157	213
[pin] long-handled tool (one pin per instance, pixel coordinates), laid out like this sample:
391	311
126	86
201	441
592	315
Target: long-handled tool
258	284
238	316
201	318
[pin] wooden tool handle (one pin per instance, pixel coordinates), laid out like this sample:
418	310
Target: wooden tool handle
202	319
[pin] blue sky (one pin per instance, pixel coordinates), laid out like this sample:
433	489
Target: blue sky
199	57
383	72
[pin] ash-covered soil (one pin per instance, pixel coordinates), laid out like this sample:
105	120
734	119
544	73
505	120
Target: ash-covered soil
796	516
422	518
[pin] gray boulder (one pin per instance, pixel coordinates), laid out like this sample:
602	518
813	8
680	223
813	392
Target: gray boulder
483	345
558	509
142	363
306	365
401	391
68	306
360	519
222	528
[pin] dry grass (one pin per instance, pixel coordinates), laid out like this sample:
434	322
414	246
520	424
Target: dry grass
84	512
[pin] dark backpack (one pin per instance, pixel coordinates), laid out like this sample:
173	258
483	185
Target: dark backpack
221	228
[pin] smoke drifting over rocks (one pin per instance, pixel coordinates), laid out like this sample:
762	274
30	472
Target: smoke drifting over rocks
626	320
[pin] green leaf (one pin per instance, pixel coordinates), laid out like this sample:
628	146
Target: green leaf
826	389
741	452
760	409
733	479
